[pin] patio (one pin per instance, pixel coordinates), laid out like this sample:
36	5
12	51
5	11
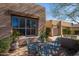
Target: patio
22	51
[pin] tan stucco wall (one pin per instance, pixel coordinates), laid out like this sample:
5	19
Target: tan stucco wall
25	9
55	22
60	26
49	24
65	24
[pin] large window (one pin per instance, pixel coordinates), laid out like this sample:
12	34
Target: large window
25	26
15	22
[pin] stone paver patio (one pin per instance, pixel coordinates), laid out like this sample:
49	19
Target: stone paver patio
19	52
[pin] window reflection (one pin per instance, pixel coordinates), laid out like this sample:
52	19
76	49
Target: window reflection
22	22
15	22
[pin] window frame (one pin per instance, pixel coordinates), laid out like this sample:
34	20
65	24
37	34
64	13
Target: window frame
25	19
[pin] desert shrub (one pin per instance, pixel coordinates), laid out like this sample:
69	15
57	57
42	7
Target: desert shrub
14	35
44	35
5	44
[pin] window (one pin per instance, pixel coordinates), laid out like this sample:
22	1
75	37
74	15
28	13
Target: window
26	26
15	22
22	22
31	26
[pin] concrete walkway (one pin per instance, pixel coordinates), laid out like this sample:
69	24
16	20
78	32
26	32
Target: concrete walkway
54	38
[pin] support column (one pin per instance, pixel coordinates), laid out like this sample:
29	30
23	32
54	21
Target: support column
52	31
60	28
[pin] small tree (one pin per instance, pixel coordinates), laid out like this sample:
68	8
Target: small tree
44	35
66	11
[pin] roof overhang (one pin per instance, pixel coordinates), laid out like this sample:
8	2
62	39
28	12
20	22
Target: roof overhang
11	12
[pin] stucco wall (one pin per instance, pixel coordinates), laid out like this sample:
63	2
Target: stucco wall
65	24
32	10
49	23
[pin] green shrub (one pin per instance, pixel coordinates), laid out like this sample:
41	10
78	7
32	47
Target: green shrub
5	44
14	35
48	31
66	31
44	35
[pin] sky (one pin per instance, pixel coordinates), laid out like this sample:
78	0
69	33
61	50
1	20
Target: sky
47	10
49	13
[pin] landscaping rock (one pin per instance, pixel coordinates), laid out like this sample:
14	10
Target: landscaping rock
4	54
22	41
14	46
22	51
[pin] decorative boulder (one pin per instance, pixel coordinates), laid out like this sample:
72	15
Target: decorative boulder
22	41
14	45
